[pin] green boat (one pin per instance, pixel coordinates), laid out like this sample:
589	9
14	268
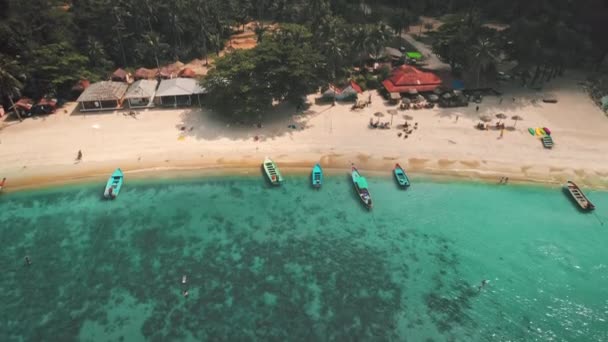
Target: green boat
401	177
272	172
317	176
547	141
360	184
114	184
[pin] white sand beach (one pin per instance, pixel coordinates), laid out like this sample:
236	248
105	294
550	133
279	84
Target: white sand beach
43	150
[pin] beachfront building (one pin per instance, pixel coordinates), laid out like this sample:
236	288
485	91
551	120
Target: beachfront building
408	79
177	92
346	93
141	94
145	74
105	95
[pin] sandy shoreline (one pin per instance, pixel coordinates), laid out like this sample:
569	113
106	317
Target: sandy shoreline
40	152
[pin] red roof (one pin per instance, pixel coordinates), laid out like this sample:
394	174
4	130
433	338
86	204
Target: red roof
143	73
119	75
406	78
24	103
187	72
356	86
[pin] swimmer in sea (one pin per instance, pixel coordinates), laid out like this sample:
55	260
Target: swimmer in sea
483	284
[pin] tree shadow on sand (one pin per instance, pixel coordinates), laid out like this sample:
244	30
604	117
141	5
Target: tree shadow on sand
205	124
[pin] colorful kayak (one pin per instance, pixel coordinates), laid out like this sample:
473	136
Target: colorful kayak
540	132
114	184
316	176
532	131
401	177
360	184
272	172
547	130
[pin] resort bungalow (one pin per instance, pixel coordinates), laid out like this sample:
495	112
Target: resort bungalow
346	93
179	92
408	79
105	95
141	94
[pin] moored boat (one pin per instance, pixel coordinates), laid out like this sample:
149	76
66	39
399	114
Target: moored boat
114	184
317	176
360	184
401	176
578	196
272	172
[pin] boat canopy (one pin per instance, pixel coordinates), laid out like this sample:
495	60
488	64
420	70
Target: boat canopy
361	183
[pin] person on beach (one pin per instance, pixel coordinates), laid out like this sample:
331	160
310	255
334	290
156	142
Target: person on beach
506	180
477	109
502	132
79	156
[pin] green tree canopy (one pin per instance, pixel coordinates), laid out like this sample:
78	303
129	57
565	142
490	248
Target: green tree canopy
284	67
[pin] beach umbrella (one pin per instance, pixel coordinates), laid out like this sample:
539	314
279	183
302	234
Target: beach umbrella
433	97
408	117
501	116
378	114
406	101
485	118
446	95
413	91
437	91
392	112
516	118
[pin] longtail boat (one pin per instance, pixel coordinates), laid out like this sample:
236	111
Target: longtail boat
114	184
360	184
2	183
401	177
272	172
316	176
578	196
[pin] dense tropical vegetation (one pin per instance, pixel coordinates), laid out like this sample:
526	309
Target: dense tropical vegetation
47	45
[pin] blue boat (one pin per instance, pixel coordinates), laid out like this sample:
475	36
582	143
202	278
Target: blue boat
114	185
317	176
401	177
360	184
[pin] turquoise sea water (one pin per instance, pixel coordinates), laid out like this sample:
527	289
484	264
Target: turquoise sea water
292	263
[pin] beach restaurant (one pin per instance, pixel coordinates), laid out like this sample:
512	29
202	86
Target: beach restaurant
141	94
104	95
408	79
178	92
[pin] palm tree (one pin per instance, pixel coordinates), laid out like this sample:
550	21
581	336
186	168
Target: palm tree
334	53
10	86
360	42
483	54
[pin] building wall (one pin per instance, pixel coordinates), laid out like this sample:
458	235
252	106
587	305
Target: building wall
90	106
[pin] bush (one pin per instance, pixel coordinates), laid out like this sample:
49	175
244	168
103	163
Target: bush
372	82
361	80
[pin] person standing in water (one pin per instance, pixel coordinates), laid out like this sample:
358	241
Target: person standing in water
483	284
28	261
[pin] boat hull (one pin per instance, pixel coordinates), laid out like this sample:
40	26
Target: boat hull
578	197
401	177
272	172
114	185
360	186
316	177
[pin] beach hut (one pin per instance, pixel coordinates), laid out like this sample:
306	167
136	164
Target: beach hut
344	93
105	95
178	92
407	78
141	93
